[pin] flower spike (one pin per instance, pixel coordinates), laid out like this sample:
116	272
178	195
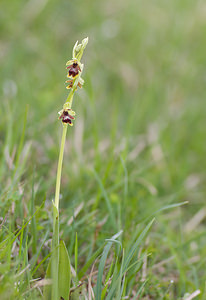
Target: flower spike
74	70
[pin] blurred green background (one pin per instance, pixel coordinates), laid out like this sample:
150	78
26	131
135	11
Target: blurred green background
140	117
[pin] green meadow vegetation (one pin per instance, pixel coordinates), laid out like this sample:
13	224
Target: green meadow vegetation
132	202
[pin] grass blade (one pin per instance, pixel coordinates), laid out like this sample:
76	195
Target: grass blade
89	262
76	254
136	245
102	264
104	193
128	259
140	290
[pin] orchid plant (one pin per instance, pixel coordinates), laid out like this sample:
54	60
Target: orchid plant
59	267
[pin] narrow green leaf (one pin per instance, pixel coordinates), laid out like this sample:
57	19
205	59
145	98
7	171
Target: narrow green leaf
101	270
89	262
136	245
128	259
36	256
106	197
102	264
76	254
174	205
140	290
41	262
20	247
47	288
115	275
22	137
64	276
6	244
118	290
33	221
106	281
166	207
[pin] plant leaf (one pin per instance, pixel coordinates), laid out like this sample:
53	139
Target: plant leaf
64	272
64	275
47	288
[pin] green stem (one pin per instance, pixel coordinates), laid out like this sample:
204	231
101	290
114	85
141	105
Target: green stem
55	239
55	254
59	169
68	103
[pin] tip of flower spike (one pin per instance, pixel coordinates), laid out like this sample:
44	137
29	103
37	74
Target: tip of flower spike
85	42
79	48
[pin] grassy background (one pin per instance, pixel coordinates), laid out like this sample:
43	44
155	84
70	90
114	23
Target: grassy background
138	141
